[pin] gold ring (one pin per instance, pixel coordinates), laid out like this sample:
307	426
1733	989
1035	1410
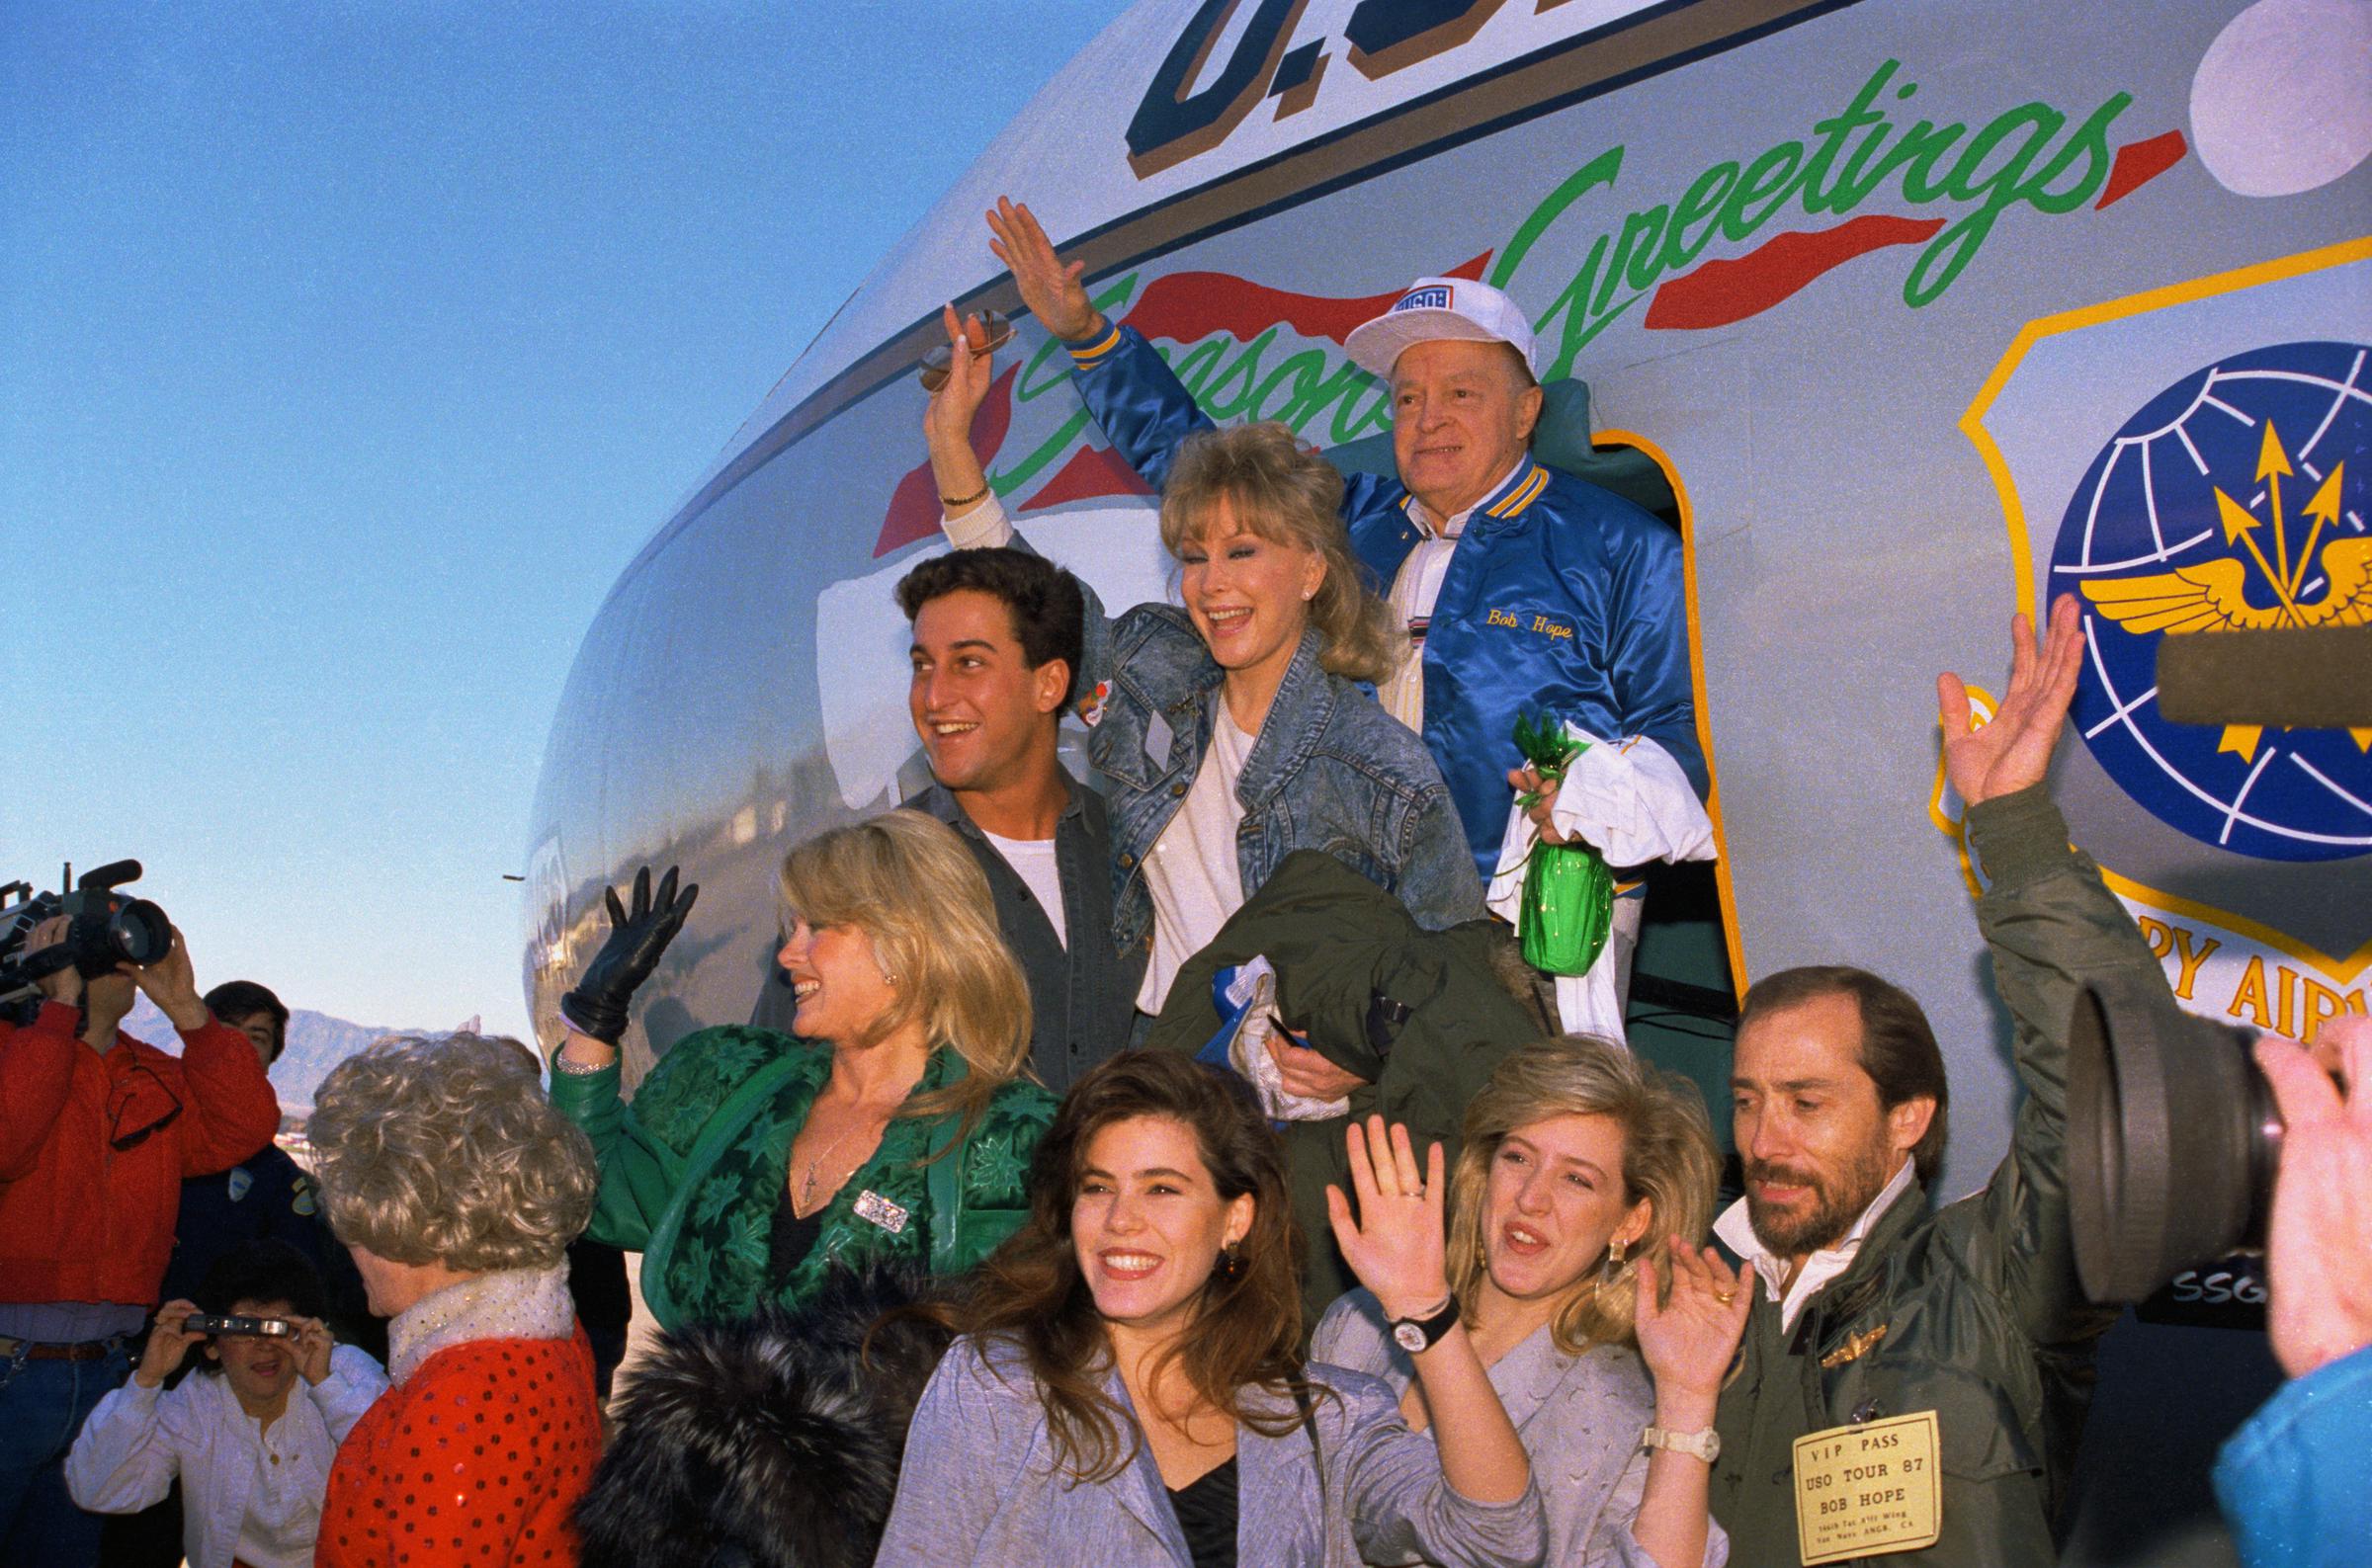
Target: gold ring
1724	1298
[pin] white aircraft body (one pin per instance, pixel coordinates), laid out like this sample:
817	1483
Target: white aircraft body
1909	312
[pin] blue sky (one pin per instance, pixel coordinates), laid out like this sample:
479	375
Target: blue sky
347	354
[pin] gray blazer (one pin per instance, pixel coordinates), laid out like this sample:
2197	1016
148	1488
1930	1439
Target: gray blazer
1580	1416
978	1487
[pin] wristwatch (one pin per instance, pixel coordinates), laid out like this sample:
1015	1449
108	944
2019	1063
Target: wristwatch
1418	1335
1705	1445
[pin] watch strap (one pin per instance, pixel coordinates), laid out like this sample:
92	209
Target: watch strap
1704	1444
1432	1325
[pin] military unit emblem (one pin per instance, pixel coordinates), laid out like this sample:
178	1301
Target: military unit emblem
2233	501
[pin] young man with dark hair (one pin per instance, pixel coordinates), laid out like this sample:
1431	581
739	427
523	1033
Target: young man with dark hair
265	1194
1967	1319
995	655
255	1011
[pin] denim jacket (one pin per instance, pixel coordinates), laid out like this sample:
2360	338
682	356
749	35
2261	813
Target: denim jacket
1329	771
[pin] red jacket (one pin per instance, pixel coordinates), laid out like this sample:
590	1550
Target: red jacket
476	1460
79	1219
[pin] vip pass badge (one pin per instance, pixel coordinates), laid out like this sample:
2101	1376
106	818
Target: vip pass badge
2233	501
875	1209
1868	1489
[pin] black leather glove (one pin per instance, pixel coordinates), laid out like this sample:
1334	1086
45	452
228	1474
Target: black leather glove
597	1007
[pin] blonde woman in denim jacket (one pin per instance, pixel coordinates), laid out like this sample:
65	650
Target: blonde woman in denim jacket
1235	728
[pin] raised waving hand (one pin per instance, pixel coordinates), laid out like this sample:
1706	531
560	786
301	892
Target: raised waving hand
638	936
1050	287
2014	749
1396	1245
970	367
1397	1249
1688	1340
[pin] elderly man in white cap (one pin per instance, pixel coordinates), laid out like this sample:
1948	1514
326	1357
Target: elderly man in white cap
1524	590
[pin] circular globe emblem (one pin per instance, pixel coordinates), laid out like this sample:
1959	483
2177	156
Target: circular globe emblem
2238	499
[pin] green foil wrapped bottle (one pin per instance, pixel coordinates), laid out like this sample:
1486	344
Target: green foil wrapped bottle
1569	893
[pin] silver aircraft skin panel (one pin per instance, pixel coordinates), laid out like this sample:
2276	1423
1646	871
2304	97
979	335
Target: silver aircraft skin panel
1931	310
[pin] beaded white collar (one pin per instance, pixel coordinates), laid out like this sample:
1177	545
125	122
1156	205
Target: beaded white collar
507	1304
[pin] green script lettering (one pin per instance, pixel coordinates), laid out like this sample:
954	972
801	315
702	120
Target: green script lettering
1767	176
1853	154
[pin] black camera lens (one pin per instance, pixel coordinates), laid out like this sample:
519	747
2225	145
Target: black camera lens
138	932
2172	1139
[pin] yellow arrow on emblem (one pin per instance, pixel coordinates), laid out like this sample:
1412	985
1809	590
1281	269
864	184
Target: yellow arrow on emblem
2240	527
2273	466
2324	508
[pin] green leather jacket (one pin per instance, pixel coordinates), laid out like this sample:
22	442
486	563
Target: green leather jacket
693	1171
1971	1311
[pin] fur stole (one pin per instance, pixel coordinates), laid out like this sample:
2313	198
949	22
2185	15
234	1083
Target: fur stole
769	1442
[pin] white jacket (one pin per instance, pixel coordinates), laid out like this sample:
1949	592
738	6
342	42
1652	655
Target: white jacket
236	1476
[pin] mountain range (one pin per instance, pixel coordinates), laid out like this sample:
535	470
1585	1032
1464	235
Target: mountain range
316	1043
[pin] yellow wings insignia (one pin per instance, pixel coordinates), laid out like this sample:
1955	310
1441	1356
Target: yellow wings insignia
2346	599
2209	596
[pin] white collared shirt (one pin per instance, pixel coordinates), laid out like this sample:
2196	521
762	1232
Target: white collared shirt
249	1492
1415	588
1736	1232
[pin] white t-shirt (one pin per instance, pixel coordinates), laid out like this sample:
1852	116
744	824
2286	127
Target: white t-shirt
1191	873
1415	589
1033	861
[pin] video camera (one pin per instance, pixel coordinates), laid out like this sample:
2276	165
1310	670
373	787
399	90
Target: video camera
106	929
2173	1138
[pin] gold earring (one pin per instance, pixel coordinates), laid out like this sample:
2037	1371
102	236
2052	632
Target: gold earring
1613	1268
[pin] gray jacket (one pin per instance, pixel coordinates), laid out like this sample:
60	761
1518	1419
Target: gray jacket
978	1487
1083	992
1581	1418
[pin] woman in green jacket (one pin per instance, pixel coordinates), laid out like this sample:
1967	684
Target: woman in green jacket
891	1127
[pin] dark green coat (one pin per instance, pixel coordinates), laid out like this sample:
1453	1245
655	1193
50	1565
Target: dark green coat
694	1170
1981	1316
1338	943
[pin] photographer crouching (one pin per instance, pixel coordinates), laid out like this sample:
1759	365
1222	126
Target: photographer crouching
97	1131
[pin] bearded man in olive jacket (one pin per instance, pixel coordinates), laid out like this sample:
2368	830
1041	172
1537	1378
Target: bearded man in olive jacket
1869	1307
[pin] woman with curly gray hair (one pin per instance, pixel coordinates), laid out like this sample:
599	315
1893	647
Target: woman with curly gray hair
458	1189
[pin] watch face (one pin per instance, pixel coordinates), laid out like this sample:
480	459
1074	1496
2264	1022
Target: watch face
1409	1337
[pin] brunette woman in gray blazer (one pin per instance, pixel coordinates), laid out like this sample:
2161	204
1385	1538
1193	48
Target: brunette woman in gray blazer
1128	1391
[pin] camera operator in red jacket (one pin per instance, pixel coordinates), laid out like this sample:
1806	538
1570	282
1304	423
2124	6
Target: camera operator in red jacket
97	1131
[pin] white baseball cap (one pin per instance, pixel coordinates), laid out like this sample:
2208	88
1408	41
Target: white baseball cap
1440	308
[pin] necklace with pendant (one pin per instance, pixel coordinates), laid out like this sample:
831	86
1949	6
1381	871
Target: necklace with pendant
805	1204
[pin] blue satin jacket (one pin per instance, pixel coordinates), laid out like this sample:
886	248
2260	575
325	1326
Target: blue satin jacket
1559	598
